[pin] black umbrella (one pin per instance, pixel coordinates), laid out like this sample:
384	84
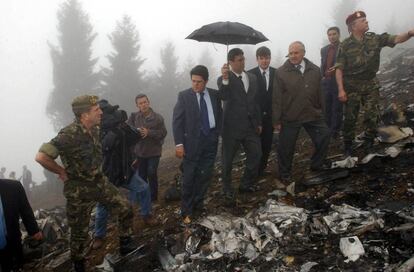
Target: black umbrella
227	33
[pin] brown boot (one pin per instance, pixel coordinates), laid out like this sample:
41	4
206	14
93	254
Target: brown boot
150	221
98	243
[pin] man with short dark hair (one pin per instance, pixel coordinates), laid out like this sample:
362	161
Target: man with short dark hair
196	127
357	64
242	122
298	102
79	147
265	75
148	150
333	107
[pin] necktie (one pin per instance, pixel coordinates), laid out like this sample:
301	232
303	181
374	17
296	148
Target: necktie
264	79
205	123
3	230
298	66
241	79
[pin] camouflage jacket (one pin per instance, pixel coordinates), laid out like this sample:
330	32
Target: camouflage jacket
360	60
80	152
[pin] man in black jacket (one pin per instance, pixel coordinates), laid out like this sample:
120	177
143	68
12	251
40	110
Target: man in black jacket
241	121
14	206
196	123
265	75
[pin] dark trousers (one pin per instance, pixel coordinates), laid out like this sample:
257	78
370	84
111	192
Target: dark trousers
197	173
11	258
320	136
251	145
266	141
333	107
148	168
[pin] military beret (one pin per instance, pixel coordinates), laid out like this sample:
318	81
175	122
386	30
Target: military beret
354	16
82	103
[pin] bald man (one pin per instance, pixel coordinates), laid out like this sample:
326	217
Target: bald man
298	102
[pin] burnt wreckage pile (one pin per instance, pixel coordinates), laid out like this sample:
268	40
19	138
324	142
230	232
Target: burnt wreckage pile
357	217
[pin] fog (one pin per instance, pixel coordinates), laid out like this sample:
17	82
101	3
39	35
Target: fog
27	26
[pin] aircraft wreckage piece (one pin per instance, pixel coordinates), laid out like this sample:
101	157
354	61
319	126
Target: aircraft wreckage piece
344	217
351	247
393	134
326	176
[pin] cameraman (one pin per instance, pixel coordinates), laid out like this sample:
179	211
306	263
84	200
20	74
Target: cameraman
118	139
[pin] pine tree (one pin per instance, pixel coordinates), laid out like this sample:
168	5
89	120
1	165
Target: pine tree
73	65
123	80
341	12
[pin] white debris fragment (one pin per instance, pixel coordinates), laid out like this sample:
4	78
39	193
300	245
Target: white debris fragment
351	248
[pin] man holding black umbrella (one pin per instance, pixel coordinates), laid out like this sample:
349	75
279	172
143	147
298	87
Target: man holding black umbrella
241	122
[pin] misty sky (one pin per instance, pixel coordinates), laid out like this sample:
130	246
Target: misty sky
27	26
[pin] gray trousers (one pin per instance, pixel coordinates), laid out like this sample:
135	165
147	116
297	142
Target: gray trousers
320	136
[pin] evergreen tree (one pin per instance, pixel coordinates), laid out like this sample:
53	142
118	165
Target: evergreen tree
341	12
165	86
73	65
123	80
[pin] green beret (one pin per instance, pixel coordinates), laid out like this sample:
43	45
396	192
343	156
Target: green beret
81	104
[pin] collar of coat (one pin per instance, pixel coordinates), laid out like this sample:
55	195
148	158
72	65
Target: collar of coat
288	66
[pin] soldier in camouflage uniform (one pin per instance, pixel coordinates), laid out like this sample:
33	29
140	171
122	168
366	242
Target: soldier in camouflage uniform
357	63
79	148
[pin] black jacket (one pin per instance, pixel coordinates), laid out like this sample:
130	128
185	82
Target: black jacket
264	96
186	119
117	149
241	111
16	206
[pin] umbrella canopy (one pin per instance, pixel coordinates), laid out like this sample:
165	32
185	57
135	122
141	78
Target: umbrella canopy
227	33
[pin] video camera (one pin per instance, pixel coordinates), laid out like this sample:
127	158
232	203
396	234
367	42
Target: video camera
112	116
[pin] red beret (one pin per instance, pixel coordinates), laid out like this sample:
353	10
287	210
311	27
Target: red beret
354	16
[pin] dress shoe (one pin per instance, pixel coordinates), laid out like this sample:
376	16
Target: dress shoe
325	166
263	174
98	243
79	266
250	189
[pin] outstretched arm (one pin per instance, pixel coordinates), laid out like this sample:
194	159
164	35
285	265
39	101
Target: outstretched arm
403	37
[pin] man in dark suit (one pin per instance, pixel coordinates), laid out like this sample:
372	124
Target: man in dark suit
196	126
333	107
241	123
14	205
265	75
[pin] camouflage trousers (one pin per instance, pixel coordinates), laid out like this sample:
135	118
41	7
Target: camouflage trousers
81	198
363	95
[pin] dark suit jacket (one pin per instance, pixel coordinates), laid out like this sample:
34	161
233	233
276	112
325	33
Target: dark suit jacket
324	56
241	113
264	96
187	123
16	205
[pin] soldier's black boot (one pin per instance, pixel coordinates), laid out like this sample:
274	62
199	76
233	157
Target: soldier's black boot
126	245
79	266
348	148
